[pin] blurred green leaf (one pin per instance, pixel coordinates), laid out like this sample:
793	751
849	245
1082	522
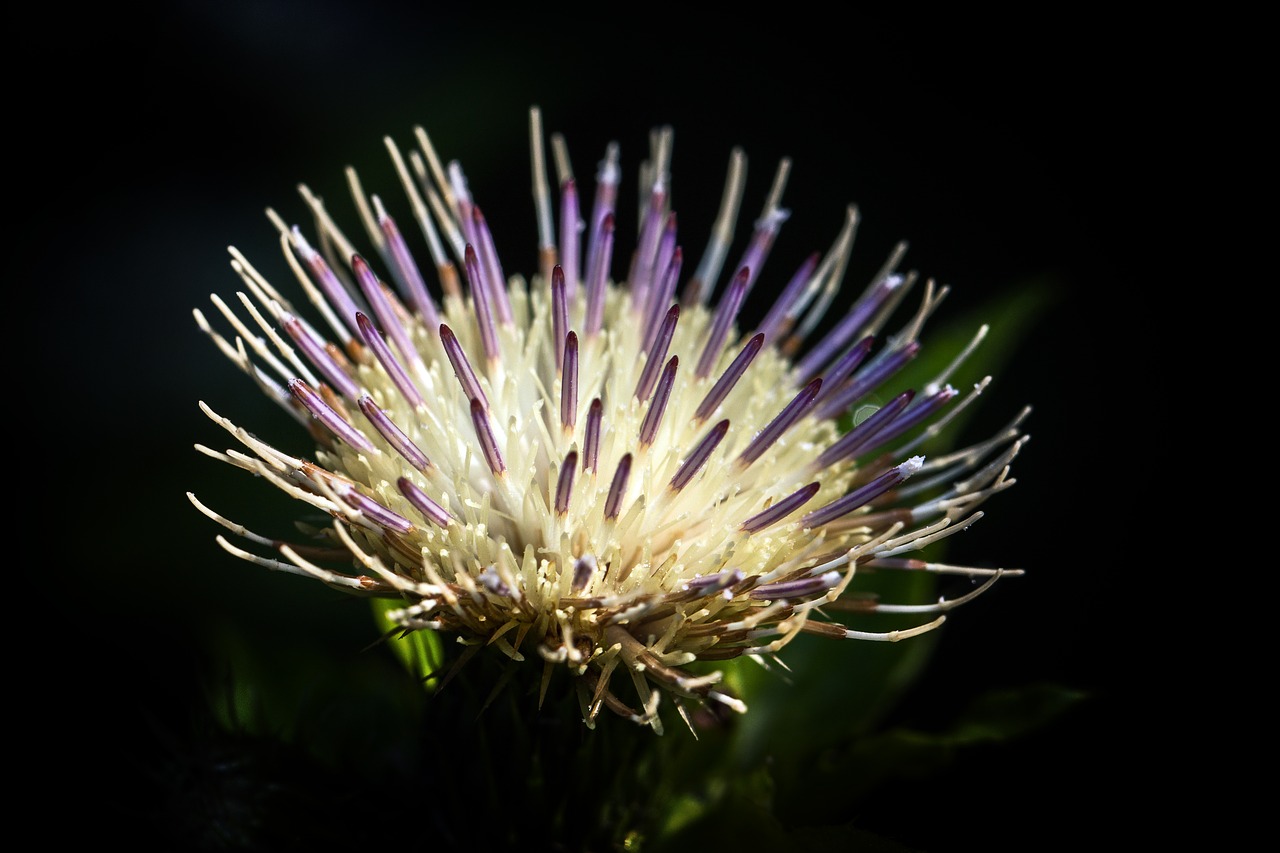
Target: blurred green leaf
356	709
422	651
1011	317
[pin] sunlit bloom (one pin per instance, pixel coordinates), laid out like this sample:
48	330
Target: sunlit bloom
620	476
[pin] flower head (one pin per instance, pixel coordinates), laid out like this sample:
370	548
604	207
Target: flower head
618	477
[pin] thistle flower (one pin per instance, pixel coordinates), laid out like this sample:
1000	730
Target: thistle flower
620	478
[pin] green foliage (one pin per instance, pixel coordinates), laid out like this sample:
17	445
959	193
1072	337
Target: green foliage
421	652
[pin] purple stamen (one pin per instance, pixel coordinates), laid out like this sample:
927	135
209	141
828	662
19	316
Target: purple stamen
493	269
729	378
844	368
462	199
788	416
422	502
410	275
663	296
853	440
569	383
583	568
913	416
698	457
772	326
653	418
374	511
726	313
385	312
384	355
333	421
393	434
657	352
598	275
570	224
644	303
492	581
863	384
613	503
333	289
316	353
861	313
642	263
482	298
606	196
781	509
462	366
762	238
591	441
711	584
484	432
564	484
863	495
559	312
802	588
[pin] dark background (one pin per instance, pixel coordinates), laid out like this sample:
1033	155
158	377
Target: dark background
1009	156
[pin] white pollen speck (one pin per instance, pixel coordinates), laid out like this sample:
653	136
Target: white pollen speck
911	466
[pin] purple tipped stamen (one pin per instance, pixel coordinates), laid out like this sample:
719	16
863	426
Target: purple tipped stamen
653	418
802	588
644	303
407	271
871	378
380	301
766	231
482	297
858	317
316	353
333	289
384	355
863	495
591	441
334	422
776	322
663	296
642	263
570	226
598	275
913	417
494	276
855	439
711	584
657	352
790	413
613	503
492	581
372	510
694	461
462	366
607	177
393	434
844	367
564	484
423	503
559	312
484	432
729	378
781	509
569	383
584	568
726	313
